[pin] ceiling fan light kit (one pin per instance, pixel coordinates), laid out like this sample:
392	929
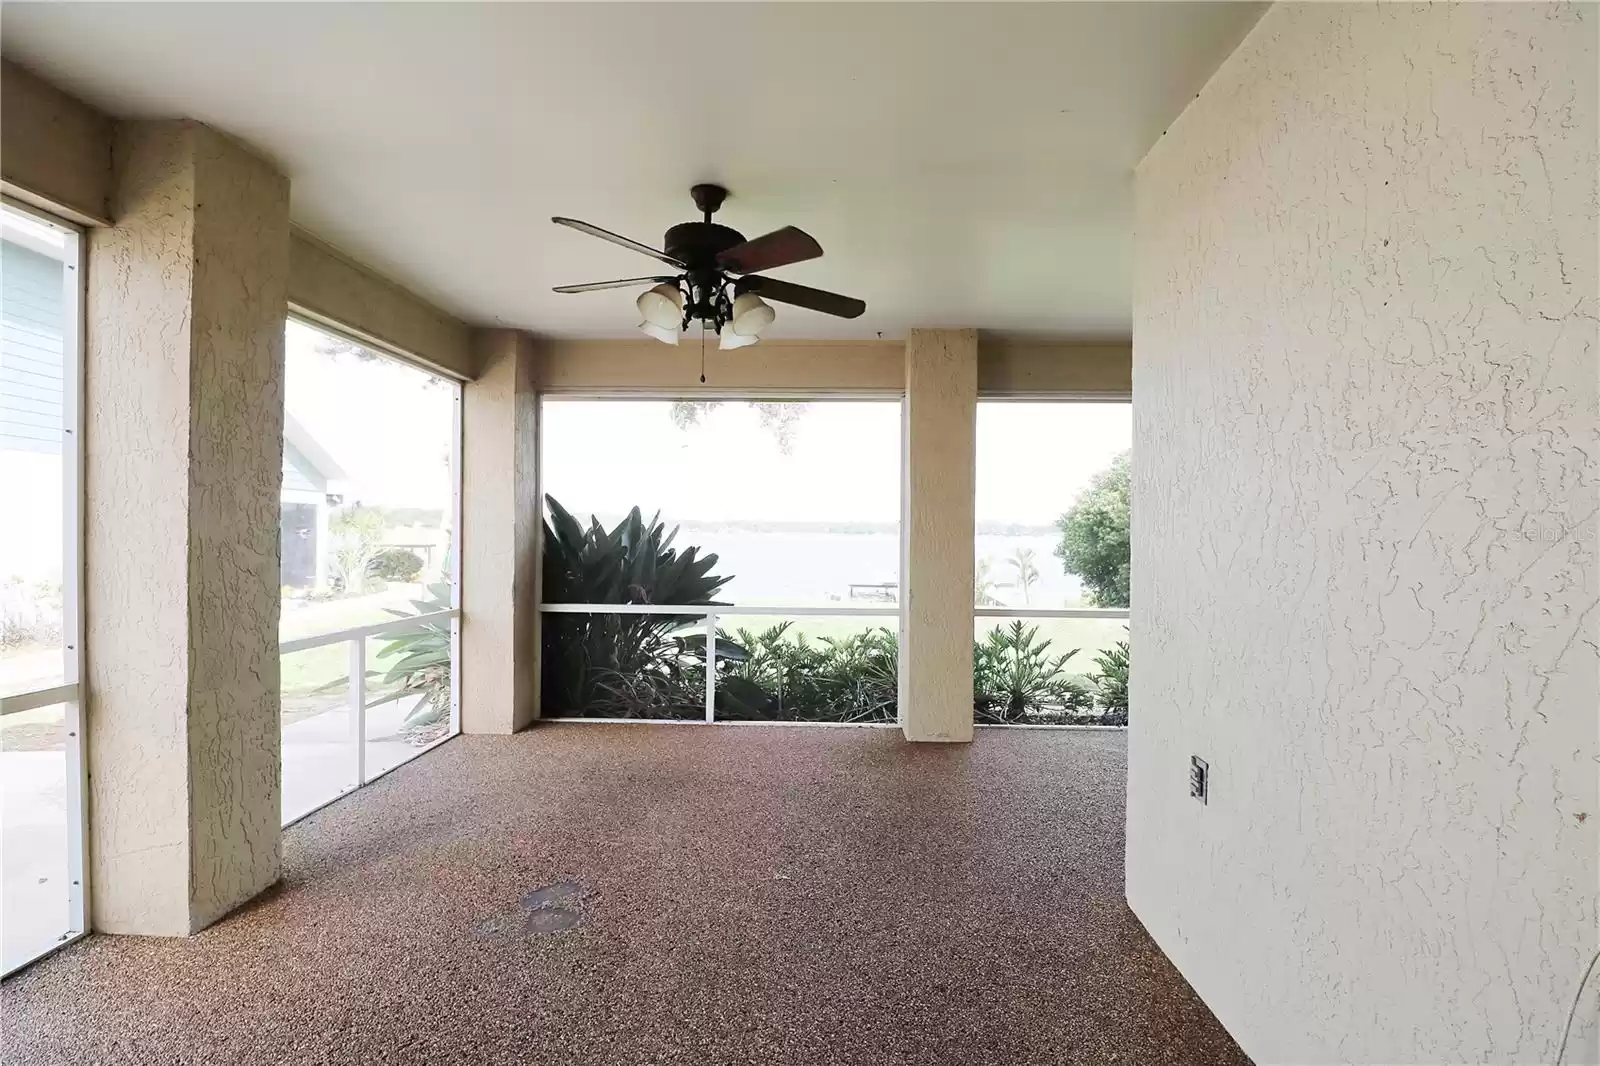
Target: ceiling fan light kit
718	283
666	335
729	338
751	315
662	305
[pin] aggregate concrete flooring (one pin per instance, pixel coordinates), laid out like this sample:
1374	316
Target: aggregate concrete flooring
666	895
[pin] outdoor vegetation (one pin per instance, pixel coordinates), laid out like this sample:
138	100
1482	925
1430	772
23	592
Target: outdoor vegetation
1094	537
396	564
653	666
622	665
417	663
370	582
30	613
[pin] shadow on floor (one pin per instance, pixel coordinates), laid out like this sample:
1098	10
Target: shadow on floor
628	894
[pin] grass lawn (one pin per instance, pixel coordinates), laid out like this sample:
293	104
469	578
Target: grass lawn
307	618
318	679
1090	635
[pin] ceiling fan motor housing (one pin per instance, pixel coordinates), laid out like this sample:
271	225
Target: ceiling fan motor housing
697	245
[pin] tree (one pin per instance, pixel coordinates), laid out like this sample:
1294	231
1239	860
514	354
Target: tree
780	419
1021	561
1094	536
358	533
686	414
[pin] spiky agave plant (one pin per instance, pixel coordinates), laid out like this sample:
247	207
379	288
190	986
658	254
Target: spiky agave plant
421	664
623	664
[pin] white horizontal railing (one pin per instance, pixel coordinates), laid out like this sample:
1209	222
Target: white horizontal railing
887	610
701	609
357	703
709	614
376	629
44	697
1116	613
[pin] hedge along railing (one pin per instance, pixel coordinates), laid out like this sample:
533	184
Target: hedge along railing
357	699
710	614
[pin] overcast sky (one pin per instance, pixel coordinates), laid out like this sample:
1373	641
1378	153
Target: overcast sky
844	462
380	419
391	431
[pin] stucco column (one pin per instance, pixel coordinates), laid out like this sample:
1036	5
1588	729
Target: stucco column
939	457
500	518
183	454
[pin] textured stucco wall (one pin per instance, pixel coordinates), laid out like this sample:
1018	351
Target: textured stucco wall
939	479
183	453
55	150
241	271
1365	493
500	536
136	448
328	286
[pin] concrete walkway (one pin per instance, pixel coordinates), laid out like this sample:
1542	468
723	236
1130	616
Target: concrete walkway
318	764
319	756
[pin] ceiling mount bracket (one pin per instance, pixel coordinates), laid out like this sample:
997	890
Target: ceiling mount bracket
708	198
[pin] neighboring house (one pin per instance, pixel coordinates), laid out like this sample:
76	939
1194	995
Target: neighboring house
32	289
30	340
31	383
312	486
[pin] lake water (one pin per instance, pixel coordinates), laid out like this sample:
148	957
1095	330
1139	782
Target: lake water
819	568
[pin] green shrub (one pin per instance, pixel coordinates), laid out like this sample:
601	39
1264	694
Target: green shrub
1112	681
357	532
836	679
396	564
1015	678
653	666
624	665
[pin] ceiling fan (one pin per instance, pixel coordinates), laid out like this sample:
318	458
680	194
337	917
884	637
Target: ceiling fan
717	280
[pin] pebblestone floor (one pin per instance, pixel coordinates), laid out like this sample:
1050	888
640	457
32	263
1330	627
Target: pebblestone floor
666	895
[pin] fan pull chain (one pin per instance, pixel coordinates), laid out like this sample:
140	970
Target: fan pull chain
702	351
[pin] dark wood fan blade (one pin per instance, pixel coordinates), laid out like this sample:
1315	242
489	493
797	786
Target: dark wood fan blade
615	238
784	292
771	250
620	283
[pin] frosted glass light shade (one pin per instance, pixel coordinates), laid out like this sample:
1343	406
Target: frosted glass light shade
665	336
729	338
662	306
751	315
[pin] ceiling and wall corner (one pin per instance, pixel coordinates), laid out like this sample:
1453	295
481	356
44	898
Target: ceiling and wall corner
57	150
335	290
962	164
56	153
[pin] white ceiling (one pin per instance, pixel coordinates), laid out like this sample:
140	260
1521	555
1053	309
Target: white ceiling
963	164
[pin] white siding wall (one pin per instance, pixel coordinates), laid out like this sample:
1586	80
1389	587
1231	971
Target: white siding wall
30	350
